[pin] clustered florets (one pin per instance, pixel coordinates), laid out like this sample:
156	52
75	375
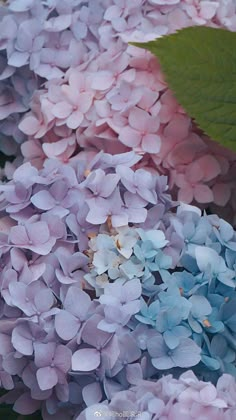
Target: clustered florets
102	93
103	283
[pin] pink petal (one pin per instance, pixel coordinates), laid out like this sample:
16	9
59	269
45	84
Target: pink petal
75	119
5	344
153	124
102	108
26	405
25	174
37	270
129	137
66	325
38	232
183	153
178	127
111	352
7	381
137	215
18	235
43	200
148	99
177	19
43	249
221	194
112	12
30	149
86	100
5	224
58	24
64	279
138	119
71	94
102	80
44	300
151	143
203	194
52	150
76	78
44	353
47	378
180	180
210	167
13	365
208	9
156	406
194	172
119	24
62	109
49	72
208	393
134	373
29	125
96	216
85	360
185	195
108	187
21	342
62	358
18	259
73	296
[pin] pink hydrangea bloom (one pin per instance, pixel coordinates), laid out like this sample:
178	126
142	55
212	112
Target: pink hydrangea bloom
141	131
76	99
120	89
200	12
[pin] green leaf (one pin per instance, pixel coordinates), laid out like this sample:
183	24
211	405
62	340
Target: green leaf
199	64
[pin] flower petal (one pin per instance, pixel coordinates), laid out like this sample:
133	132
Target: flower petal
47	378
85	360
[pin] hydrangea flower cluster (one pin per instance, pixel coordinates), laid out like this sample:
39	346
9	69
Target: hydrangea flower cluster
187	286
104	285
102	93
169	399
107	283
